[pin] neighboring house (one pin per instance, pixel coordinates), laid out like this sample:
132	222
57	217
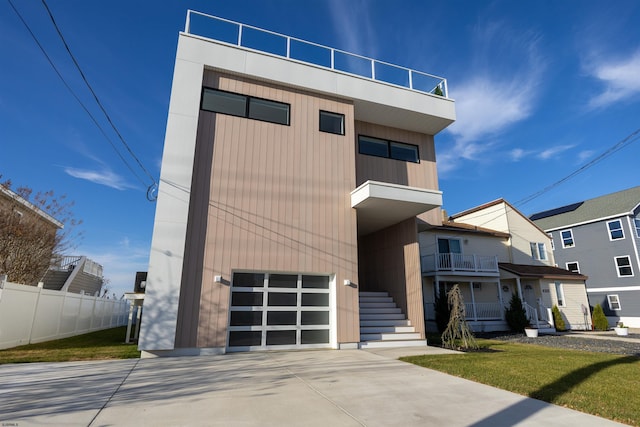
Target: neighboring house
493	252
68	273
76	274
288	190
599	238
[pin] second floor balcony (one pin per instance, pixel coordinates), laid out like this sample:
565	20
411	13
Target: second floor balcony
452	263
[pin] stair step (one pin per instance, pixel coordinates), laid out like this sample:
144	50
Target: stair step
385	329
404	343
373	294
375	299
381	310
377	304
384	322
385	316
390	336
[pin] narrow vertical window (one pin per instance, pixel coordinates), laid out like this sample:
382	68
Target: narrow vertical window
615	230
559	294
567	239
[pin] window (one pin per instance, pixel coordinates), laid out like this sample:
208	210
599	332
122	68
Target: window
615	230
560	294
573	267
389	149
614	302
332	122
636	220
538	251
449	246
234	104
624	266
567	238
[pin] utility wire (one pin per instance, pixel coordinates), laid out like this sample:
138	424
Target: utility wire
628	140
104	111
93	119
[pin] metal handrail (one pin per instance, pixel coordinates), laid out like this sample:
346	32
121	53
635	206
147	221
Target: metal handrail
410	73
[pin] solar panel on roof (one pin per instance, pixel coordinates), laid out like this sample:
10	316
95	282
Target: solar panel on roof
557	211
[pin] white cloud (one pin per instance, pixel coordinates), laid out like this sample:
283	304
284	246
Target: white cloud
103	177
358	35
554	151
621	79
584	155
518	154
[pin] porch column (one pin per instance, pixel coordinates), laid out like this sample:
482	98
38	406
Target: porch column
500	299
473	303
519	289
436	282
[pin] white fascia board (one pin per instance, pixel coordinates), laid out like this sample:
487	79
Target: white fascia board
614	289
375	101
577	224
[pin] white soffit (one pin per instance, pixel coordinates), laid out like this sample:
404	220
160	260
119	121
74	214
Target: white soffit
381	204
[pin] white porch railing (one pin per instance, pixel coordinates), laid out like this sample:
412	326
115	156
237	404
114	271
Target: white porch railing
532	314
68	263
459	262
253	38
474	312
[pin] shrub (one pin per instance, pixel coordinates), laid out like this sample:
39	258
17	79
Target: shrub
443	311
557	319
515	315
600	322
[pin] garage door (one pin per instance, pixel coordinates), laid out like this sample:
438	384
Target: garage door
279	311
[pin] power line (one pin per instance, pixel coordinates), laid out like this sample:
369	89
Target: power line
95	96
84	107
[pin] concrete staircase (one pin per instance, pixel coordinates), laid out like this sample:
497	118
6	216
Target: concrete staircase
382	323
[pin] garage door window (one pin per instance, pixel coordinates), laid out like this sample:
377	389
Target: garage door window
279	311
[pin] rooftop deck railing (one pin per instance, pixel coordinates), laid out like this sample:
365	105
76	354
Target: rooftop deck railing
258	39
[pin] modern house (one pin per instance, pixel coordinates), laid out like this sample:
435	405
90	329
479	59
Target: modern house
293	179
492	252
599	238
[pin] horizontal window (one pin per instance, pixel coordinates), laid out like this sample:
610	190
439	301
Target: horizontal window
235	104
388	149
332	122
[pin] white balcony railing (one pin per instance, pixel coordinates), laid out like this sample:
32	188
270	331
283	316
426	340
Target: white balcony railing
253	38
474	312
458	262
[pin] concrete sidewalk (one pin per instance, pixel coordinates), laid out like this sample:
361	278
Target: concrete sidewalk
310	388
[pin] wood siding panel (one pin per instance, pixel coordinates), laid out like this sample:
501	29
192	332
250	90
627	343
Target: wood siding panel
278	200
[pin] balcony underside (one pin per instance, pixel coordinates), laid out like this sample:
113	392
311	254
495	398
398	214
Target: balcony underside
380	204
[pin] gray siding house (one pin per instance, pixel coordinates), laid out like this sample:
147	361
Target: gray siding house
599	238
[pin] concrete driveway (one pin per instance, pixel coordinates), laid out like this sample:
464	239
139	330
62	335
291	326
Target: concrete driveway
303	388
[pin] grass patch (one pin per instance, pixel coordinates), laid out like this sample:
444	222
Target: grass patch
600	384
105	344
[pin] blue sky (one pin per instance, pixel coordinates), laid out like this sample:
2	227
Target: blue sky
541	88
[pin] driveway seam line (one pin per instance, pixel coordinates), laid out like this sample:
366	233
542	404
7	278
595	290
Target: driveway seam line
324	396
114	393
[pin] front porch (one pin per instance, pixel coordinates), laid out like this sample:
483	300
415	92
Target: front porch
486	300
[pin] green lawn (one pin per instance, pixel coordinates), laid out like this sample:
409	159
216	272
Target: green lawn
105	344
600	384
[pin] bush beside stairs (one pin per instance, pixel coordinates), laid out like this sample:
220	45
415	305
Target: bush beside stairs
382	323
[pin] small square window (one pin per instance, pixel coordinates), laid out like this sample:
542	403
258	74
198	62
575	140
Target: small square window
573	267
615	230
614	302
332	122
623	263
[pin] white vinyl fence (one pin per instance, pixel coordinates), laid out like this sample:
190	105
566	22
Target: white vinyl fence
29	314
